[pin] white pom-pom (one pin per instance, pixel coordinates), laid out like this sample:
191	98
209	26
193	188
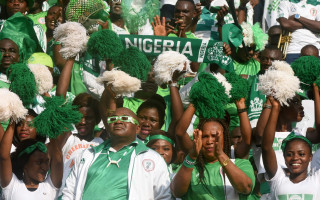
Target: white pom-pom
279	84
73	38
11	106
42	76
122	83
282	66
167	63
247	34
224	83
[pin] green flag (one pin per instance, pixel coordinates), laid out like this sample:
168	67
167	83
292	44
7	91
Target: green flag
196	50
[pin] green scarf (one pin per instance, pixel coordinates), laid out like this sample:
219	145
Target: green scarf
39	145
196	50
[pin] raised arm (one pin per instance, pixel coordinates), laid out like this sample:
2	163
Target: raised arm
181	181
314	134
5	160
64	80
182	136
261	124
268	154
107	104
58	60
244	146
56	163
176	103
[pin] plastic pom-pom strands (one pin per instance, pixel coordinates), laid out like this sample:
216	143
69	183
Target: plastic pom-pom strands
167	63
240	86
106	44
11	106
43	77
133	62
122	83
22	83
57	118
307	68
208	97
73	38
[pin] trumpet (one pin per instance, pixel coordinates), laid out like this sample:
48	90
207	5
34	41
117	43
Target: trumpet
283	44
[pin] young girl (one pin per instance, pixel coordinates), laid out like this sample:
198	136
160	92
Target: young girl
24	175
297	156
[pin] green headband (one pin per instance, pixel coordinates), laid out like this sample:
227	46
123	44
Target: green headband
292	136
39	145
161	137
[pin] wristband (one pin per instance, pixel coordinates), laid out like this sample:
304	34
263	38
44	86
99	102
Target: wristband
267	106
225	163
188	162
173	84
56	42
241	110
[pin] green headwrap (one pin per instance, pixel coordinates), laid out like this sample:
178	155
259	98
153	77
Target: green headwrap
161	137
240	86
105	44
292	136
208	97
135	19
133	62
39	145
57	118
307	69
19	29
23	83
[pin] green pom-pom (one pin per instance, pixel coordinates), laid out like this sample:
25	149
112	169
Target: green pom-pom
260	38
307	69
105	44
133	62
22	83
240	86
57	118
208	97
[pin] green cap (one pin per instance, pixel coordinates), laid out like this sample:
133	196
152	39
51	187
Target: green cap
41	58
292	136
232	34
19	29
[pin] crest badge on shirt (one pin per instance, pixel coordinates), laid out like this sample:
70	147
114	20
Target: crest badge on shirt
148	165
313	12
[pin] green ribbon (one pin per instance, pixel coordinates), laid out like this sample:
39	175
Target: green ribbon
292	136
161	137
196	50
39	145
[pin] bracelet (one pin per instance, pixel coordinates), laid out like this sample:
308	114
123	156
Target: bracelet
225	163
173	84
241	110
189	162
56	42
267	106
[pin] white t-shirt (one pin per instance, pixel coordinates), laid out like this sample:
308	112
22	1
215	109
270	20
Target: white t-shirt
283	189
17	190
315	164
300	37
73	148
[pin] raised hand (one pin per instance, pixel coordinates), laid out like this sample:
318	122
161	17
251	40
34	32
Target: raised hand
218	151
159	28
197	144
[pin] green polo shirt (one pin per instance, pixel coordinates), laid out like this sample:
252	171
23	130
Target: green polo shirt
213	187
109	181
39	18
165	93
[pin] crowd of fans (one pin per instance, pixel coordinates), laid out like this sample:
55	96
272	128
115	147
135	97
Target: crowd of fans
169	99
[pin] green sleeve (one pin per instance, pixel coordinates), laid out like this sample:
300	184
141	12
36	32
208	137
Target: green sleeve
246	167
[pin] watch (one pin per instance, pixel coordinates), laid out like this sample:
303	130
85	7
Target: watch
297	16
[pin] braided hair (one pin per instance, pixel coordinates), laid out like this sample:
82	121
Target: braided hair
200	164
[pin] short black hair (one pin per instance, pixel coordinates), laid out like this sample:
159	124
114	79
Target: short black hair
191	1
86	100
157	102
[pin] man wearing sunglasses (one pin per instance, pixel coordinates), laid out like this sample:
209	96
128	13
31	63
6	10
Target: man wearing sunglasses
121	167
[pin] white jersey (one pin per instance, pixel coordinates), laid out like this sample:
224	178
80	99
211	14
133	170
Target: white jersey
301	37
17	190
283	189
72	149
